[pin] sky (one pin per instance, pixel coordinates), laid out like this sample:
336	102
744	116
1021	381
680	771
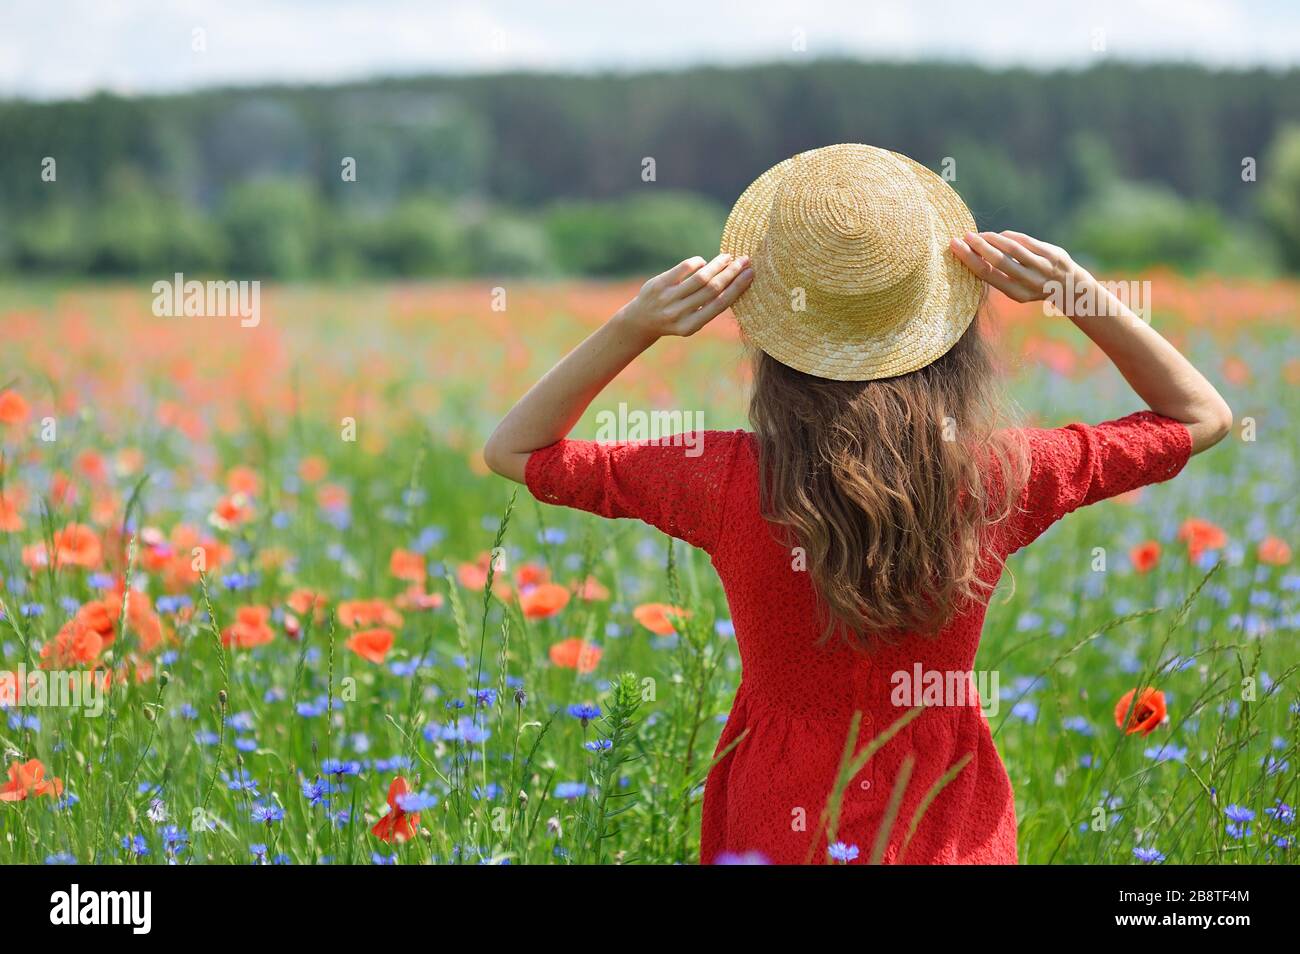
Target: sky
53	49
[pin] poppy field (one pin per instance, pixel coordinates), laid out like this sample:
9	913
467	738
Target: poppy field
262	603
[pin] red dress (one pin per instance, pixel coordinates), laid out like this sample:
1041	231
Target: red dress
796	696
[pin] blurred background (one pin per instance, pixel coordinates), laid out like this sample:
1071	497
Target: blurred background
518	139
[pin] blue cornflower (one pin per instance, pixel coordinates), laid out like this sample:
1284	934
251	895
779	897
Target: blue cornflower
268	813
242	722
464	730
1166	753
744	858
314	791
175	840
234	582
1150	855
340	767
585	712
310	710
416	801
570	790
1281	812
842	853
725	628
62	858
598	745
136	845
171	604
1239	814
377	859
18	721
484	697
1078	724
242	782
258	851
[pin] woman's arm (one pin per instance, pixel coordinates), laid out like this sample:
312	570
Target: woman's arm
681	301
1026	269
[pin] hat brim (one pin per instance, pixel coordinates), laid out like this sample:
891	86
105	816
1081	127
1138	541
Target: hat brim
835	349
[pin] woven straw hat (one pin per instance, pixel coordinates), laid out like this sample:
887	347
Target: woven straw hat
853	277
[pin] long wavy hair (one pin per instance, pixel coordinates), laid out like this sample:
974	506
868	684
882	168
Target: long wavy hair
891	486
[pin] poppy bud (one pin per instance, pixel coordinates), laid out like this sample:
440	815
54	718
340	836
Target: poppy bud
164	677
221	698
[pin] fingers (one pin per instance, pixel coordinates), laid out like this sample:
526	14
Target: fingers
696	320
1001	261
700	277
714	284
1021	255
984	269
678	273
1049	252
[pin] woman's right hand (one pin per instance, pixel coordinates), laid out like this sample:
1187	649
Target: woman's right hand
1022	267
687	297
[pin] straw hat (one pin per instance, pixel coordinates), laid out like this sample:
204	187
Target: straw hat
853	277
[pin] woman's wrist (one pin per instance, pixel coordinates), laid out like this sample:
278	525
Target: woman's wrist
632	327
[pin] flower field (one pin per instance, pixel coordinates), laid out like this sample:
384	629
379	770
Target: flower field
262	603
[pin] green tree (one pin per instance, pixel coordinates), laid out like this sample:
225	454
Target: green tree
1279	173
270	227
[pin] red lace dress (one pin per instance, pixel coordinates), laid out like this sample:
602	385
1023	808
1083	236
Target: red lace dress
796	696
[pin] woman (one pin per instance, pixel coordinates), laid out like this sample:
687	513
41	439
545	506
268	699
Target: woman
859	529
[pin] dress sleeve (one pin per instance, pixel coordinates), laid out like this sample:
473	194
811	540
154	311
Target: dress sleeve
1071	467
680	489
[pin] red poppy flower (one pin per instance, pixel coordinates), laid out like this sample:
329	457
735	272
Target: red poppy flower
591	589
407	565
73	646
543	600
77	545
13	408
371	644
531	574
1274	550
11	520
357	613
251	628
1148	712
27	780
397	825
243	480
312	469
1201	535
659	617
230	511
576	654
473	576
1145	556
